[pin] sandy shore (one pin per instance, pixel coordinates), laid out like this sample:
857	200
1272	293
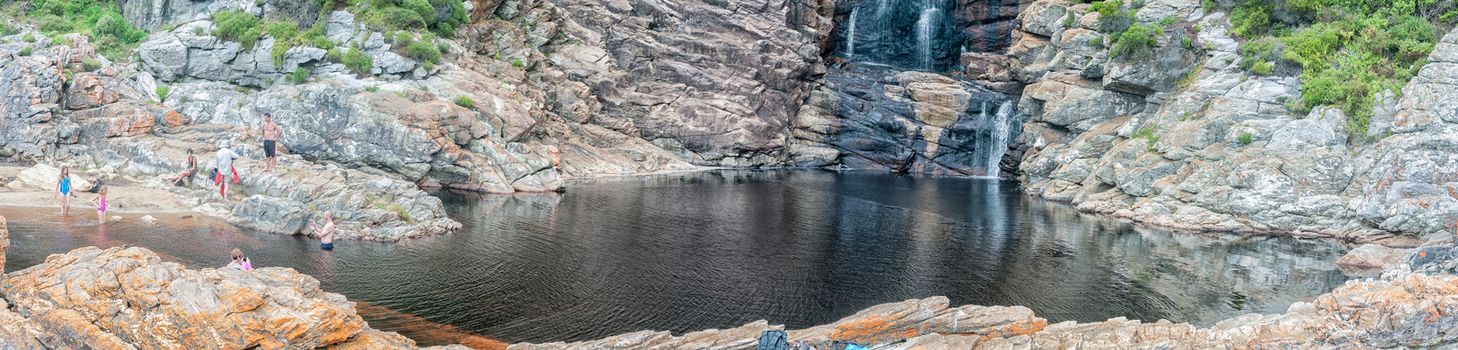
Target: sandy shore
122	198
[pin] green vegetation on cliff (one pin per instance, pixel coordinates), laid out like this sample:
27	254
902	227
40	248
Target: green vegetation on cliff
439	16
1137	42
1348	51
100	20
415	25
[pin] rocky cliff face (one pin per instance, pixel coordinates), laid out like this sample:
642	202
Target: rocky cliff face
1400	310
127	298
1189	140
559	90
712	82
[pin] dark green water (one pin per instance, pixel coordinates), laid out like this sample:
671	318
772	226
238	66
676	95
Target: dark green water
720	249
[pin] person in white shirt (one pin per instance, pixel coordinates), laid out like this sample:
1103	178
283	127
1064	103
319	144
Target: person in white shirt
224	166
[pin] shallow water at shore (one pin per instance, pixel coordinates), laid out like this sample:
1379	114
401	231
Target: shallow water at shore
719	249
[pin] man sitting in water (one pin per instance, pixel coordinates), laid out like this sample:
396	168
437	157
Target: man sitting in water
325	234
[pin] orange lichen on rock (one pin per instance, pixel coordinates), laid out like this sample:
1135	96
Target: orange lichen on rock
126	298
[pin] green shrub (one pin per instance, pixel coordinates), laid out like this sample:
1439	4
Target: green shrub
90	65
465	101
372	88
1113	18
315	37
162	91
421	7
237	26
25	51
1137	42
1256	56
358	62
112	25
402	38
1310	46
423	51
446	27
30	38
99	20
335	55
285	36
1107	8
1068	20
281	30
1244	139
1450	17
1251	19
1168	21
1188	43
518	63
1346	61
298	76
1263	68
8	29
397	18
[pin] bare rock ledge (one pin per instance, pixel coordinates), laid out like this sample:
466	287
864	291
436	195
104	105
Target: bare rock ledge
127	298
1402	310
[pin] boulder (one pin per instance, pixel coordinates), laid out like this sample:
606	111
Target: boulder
1169	63
1068	101
17	332
150	15
30	93
1371	256
128	298
43	177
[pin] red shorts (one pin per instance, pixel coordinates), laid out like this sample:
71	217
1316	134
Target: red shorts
218	180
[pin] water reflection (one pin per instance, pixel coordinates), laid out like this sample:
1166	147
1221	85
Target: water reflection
715	250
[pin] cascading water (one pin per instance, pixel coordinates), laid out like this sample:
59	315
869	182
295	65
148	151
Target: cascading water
850	36
882	40
920	34
999	138
924	32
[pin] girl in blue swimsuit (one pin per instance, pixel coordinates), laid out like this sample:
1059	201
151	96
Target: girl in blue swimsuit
63	187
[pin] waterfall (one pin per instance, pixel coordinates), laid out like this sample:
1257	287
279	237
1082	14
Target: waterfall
998	145
850	36
906	34
924	32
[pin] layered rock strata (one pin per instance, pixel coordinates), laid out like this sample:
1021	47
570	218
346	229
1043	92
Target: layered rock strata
1399	310
1187	139
127	298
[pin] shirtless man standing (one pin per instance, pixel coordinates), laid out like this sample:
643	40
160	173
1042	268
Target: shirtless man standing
271	133
326	233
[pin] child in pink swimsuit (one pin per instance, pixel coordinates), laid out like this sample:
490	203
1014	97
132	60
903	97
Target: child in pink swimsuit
101	205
